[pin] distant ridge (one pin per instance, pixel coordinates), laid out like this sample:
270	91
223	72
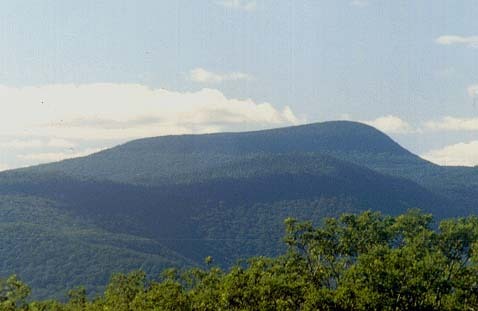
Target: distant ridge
174	200
163	158
327	136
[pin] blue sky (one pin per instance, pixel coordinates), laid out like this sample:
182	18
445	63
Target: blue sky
409	68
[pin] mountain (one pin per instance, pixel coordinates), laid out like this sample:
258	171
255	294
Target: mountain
185	158
55	250
173	200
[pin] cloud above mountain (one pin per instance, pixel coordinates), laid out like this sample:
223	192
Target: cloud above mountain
391	125
3	167
35	143
53	122
126	111
53	118
46	157
463	154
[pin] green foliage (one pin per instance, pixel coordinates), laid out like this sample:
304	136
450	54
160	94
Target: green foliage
172	201
13	293
53	250
357	262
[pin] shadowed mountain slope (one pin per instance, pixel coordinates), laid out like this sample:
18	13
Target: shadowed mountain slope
177	159
225	195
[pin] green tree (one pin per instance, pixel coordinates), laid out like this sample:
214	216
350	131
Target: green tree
354	262
122	290
13	294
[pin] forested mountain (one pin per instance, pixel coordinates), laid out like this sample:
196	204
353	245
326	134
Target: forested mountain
353	262
186	158
174	200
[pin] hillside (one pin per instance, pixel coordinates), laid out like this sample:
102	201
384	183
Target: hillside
190	196
187	158
177	159
55	250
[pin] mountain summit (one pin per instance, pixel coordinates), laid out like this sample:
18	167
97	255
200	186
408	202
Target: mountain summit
173	200
173	159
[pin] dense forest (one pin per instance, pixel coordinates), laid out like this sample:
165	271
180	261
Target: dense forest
171	201
364	261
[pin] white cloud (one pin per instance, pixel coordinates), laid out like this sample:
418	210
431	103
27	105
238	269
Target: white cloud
239	4
391	125
360	3
473	91
462	154
65	115
54	122
21	144
36	143
60	143
471	41
4	167
45	157
345	117
201	75
449	123
453	124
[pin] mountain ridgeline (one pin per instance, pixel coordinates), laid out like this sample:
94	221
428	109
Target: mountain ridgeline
173	200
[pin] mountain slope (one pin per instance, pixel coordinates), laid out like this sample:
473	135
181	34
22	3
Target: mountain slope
173	159
179	213
190	196
55	250
189	158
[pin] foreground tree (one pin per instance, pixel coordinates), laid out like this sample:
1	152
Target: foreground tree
354	262
13	294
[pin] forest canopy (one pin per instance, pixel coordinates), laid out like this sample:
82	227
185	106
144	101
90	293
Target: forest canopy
354	262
